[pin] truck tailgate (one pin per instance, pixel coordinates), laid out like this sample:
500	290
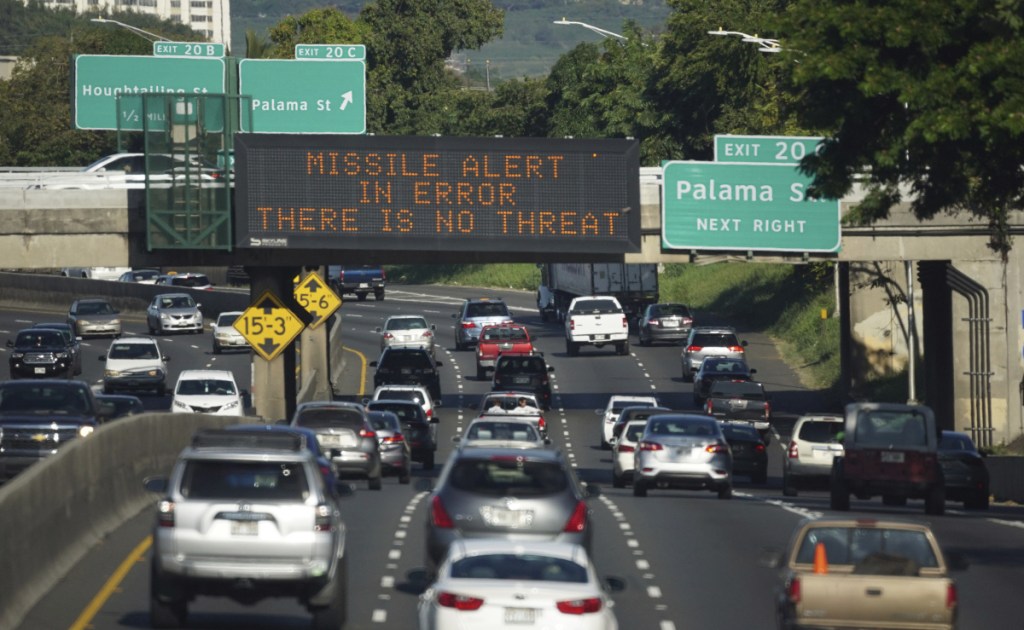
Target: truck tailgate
600	324
874	601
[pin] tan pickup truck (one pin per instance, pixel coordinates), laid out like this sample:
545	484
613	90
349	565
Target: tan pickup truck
865	574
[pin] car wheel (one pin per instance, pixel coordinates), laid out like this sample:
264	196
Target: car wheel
375	483
481	373
618	481
698	401
979	501
334	615
161	390
839	495
788	485
687	377
378	296
640	338
458	344
725	491
361	297
639	488
428	461
404	477
893	500
152	331
935	500
623	348
216	349
571	349
164	613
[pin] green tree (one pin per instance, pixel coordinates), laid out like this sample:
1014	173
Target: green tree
704	85
319	26
257	46
927	94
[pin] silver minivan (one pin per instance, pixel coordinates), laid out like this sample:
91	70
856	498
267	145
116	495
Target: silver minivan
709	341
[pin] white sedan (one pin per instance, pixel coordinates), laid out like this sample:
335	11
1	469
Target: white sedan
487	583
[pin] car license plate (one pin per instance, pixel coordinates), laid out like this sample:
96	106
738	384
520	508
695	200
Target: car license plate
738	403
39	370
244	528
892	457
504	517
522	380
525	616
600	336
329	441
364	285
669	323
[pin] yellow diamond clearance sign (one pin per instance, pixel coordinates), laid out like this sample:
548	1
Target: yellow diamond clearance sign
268	325
317	298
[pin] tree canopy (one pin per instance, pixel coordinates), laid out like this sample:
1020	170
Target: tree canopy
918	95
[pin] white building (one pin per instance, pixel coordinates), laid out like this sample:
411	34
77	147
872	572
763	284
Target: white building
211	18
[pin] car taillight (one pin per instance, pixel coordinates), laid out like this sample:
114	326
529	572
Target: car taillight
654	322
438	515
625	322
542	423
426	334
716	448
793	591
430	414
388	336
572	325
165	513
341	276
708	407
578	521
394	439
366	433
458	602
326	470
383	275
322	523
767	410
650	446
687	320
624	448
759	448
580	606
694	348
951	596
735	348
466	325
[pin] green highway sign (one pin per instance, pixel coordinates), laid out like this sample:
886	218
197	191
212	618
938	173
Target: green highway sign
331	52
746	207
188	49
764	149
100	79
293	96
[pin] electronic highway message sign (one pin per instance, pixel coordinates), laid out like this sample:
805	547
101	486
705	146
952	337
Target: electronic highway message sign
411	193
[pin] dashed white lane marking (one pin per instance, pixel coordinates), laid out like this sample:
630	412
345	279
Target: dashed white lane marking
632	542
1000	521
643	565
653	592
388	581
380	616
667	625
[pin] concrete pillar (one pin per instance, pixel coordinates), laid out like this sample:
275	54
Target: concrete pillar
314	364
273	382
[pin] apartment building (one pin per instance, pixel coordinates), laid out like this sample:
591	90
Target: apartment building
211	18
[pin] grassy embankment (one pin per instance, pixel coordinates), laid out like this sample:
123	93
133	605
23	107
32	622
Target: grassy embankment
783	301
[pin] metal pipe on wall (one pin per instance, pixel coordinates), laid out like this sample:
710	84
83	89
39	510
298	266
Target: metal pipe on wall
980	371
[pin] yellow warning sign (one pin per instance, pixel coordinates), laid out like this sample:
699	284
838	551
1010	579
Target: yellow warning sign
268	325
317	298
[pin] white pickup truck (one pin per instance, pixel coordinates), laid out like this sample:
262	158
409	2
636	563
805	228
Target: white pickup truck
596	320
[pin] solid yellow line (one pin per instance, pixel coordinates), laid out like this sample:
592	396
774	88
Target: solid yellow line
362	371
112	584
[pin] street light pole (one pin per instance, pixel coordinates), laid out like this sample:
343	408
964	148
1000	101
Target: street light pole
153	37
600	31
766	45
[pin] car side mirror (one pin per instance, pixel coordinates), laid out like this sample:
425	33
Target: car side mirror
511	314
103	357
155	484
593	490
456	439
434	420
166	358
454	315
547	441
373	364
613	440
10	344
366	401
744	343
599	412
613	584
198	305
439	364
753	371
377	329
473	405
956	561
551	368
243	392
433	327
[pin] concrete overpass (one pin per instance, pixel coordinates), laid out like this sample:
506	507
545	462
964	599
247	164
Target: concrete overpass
966	325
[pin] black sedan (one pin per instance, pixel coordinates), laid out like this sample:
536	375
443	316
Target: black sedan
718	369
749	455
964	470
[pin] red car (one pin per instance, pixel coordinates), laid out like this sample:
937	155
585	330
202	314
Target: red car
496	339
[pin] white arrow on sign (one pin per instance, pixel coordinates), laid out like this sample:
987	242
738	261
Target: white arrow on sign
346	98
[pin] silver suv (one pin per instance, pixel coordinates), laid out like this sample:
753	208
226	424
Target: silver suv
247	515
709	341
813	446
346	437
470	319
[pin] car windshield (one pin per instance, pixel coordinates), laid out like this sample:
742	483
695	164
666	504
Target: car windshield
505	334
487	309
44	398
205	387
745	390
521	365
857	545
508	475
675	428
669	310
138	276
40	339
227	319
821	432
506	403
328	418
406	412
400	394
190	281
251	481
634	431
891	428
740	431
178	301
384	421
595	306
406	323
415	360
132	351
488	430
519	567
714	340
723	365
956	442
95	308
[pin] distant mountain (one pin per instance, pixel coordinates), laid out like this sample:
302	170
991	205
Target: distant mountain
531	43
